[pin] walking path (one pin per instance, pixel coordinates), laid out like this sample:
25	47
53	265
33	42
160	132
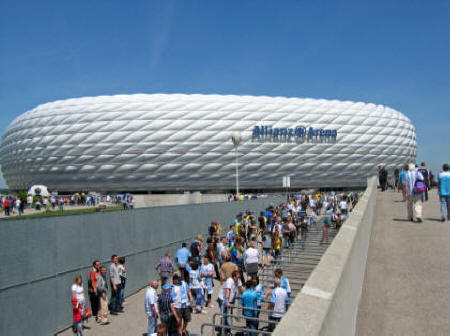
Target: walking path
296	263
31	211
407	281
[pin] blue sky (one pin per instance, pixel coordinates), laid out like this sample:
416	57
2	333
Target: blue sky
395	53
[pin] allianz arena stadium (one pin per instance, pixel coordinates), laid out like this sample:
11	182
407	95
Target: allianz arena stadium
175	142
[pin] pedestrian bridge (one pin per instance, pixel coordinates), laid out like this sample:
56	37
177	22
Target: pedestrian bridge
383	275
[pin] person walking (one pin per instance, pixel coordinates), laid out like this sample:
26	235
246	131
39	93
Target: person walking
227	269
102	293
196	248
249	301
6	206
182	301
382	177
251	259
277	304
396	179
181	258
426	175
116	284
207	272
444	192
267	248
168	313
276	244
92	277
402	180
325	227
228	293
165	268
304	232
151	307
414	189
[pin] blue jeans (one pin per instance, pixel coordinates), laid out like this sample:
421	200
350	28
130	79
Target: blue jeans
303	239
224	310
114	303
445	206
252	324
78	327
151	325
121	291
198	297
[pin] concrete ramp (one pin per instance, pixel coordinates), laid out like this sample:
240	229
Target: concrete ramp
407	284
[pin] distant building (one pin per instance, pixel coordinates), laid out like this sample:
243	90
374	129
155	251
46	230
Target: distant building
183	142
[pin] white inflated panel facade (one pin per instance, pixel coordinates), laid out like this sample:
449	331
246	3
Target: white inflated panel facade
183	142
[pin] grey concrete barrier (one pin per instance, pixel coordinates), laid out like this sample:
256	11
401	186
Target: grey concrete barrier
40	257
328	303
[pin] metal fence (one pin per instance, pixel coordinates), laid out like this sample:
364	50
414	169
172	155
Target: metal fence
40	257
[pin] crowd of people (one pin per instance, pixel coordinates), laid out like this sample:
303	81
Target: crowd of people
100	280
11	204
414	182
232	257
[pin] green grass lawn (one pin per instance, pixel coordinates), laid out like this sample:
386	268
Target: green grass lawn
48	213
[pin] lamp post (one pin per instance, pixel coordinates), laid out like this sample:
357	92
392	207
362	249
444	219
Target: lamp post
236	138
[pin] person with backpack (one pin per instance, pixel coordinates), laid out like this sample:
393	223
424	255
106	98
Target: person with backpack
426	175
414	186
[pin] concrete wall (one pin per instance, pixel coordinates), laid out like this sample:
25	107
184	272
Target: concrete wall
328	303
39	257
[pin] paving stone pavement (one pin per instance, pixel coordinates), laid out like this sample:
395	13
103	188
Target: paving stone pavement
407	284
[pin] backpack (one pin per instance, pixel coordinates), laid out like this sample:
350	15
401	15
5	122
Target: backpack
419	185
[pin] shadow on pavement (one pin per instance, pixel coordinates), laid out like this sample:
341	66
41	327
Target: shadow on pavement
433	219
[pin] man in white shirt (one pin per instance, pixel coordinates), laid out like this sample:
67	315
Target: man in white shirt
277	304
116	284
151	306
251	259
228	293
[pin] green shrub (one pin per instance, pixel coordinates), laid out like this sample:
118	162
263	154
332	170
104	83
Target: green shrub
22	195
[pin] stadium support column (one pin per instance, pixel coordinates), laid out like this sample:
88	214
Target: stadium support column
236	138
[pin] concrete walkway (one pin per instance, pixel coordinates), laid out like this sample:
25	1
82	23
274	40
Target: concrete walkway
407	281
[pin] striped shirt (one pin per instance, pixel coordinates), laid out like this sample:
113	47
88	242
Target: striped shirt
164	302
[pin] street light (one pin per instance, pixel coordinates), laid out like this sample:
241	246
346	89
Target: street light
236	138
